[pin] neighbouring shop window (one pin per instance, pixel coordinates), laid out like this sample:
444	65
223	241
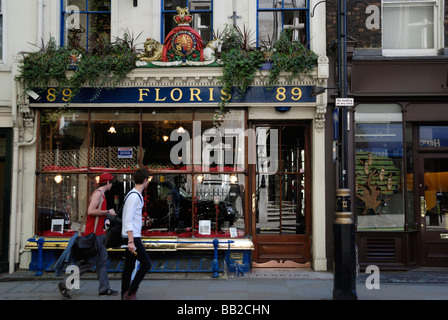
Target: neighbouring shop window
275	15
410	27
85	22
197	171
201	10
379	163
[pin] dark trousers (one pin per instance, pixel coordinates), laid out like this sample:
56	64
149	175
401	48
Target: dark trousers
129	265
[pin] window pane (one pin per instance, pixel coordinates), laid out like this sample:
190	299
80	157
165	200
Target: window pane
168	205
172	4
379	180
81	4
115	139
202	21
91	25
63	140
408	26
166	139
222	148
60	196
219	199
271	23
293	153
99	5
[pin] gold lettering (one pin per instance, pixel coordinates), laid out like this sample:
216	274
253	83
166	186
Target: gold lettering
281	94
225	96
211	94
157	95
67	93
51	94
172	94
194	92
142	93
297	93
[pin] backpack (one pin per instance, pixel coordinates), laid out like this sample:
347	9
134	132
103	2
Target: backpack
113	238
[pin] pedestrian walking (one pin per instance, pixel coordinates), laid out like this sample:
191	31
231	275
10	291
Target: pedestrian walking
96	216
131	231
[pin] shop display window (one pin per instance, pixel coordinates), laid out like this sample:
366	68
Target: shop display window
197	173
379	165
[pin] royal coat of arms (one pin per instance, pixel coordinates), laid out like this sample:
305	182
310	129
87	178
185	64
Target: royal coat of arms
183	42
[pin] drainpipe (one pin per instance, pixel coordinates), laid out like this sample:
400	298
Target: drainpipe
16	147
15	168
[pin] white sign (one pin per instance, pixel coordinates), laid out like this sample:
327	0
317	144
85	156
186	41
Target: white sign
124	153
344	102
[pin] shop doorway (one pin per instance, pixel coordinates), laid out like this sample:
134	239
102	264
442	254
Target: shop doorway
5	195
280	191
432	203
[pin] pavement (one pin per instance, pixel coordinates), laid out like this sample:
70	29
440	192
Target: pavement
261	285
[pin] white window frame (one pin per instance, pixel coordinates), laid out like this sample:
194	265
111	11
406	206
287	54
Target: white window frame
438	34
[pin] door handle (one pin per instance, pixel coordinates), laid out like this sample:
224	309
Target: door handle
253	202
422	206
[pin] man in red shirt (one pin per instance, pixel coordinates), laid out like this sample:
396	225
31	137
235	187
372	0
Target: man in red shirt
96	216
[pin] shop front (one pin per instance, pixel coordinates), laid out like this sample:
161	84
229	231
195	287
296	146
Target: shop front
247	182
400	160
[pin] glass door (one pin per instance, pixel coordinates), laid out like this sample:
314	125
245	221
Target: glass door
433	204
281	194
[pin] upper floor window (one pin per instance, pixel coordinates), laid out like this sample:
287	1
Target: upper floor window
84	22
201	10
275	15
410	27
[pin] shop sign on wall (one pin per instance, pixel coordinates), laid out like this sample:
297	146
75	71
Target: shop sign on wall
179	95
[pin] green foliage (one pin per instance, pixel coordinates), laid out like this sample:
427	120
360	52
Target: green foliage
290	56
241	61
103	66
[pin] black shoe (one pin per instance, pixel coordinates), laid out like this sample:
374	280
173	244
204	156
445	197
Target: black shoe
64	291
109	292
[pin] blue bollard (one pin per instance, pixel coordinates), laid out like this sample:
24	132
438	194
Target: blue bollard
40	267
215	267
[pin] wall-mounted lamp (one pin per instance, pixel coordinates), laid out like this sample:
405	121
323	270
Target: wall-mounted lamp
318	90
135	3
282	109
165	138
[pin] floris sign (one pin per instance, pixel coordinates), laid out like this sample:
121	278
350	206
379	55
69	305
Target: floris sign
179	95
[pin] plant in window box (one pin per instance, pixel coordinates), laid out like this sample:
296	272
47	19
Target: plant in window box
241	60
105	65
290	56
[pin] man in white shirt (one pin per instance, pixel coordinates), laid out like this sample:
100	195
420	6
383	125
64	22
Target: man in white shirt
131	230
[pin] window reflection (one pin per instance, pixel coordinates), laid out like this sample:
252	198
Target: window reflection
179	195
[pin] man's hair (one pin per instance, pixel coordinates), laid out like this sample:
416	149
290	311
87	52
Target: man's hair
140	175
